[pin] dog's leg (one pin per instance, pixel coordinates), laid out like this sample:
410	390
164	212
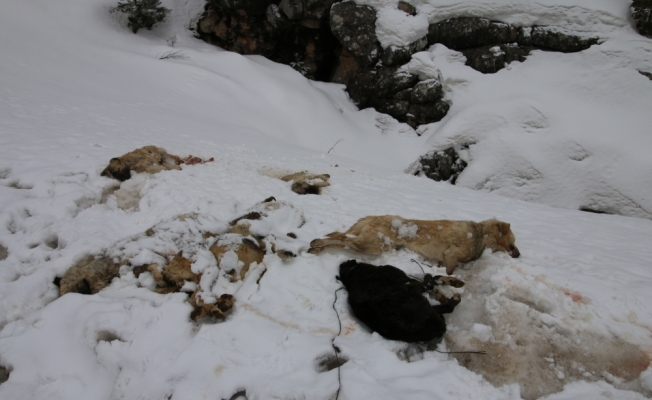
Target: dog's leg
450	259
448	280
336	240
339	240
446	304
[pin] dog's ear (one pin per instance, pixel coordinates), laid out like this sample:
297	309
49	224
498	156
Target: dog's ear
504	228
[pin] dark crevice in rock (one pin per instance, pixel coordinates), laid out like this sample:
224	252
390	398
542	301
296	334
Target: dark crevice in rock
305	44
444	165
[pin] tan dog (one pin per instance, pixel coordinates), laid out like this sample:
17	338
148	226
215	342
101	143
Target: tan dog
443	241
150	159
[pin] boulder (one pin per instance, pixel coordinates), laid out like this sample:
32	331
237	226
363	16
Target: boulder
355	28
468	32
426	91
444	165
490	59
399	55
426	113
642	15
490	45
550	38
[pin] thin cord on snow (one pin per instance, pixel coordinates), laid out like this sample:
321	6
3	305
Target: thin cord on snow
335	348
334	146
462	352
417	263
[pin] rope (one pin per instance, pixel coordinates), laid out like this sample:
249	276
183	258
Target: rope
335	348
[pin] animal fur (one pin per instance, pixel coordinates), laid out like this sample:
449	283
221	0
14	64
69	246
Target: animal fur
150	159
90	275
307	183
444	241
389	302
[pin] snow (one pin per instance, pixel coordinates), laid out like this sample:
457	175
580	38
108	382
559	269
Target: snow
78	88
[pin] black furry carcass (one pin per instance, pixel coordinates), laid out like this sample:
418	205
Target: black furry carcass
391	303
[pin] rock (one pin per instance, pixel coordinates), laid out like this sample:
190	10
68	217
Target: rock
642	15
276	18
407	8
3	252
646	74
427	113
489	45
306	10
4	374
249	7
355	28
550	38
338	43
442	165
490	59
468	32
426	91
399	94
380	83
399	55
396	108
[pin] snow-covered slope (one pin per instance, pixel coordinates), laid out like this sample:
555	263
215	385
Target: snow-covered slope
566	130
78	88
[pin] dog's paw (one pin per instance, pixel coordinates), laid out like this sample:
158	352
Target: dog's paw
448	280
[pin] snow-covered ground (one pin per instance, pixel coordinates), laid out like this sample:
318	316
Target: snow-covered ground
78	88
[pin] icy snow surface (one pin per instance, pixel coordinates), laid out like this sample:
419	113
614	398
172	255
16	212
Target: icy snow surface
78	88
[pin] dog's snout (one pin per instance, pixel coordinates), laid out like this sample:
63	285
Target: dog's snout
513	251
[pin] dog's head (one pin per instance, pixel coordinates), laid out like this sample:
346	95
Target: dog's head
499	237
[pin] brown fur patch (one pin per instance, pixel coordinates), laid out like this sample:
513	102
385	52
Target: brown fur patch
307	183
448	242
89	275
150	159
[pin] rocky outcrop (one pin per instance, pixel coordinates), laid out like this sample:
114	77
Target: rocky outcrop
336	42
442	165
490	45
642	15
376	79
292	32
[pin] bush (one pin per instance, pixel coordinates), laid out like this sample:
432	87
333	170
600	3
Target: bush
141	13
